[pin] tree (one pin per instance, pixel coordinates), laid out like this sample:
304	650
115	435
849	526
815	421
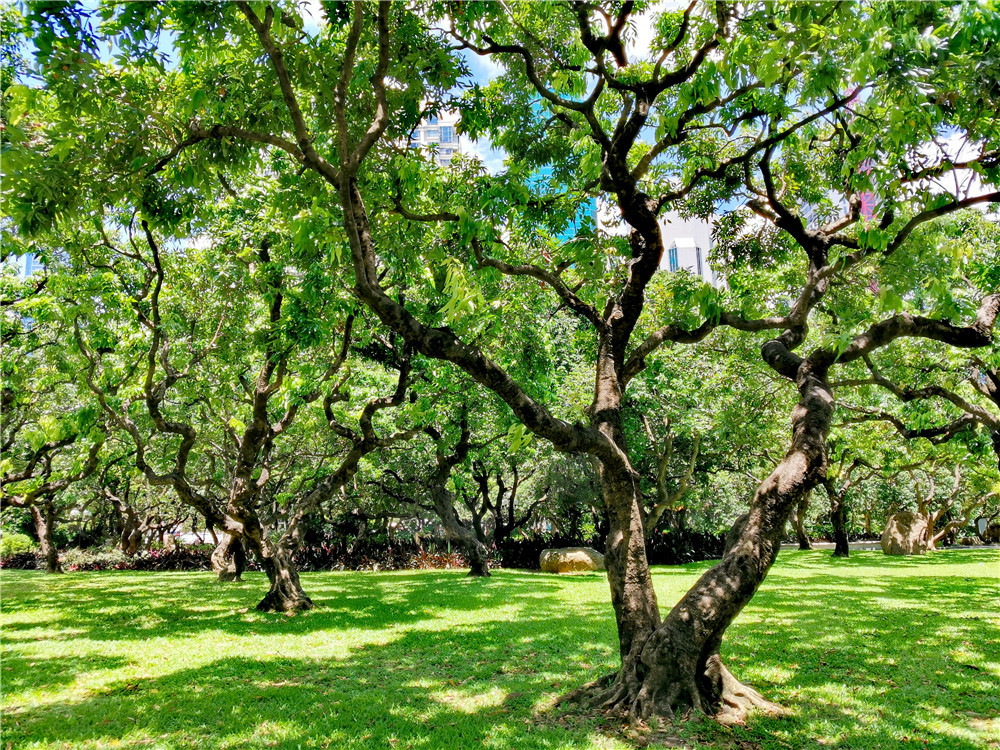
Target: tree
51	438
743	101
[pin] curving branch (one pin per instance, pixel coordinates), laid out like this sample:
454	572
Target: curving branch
905	325
636	362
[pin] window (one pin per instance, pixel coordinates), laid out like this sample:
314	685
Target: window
697	255
432	135
674	265
432	120
447	133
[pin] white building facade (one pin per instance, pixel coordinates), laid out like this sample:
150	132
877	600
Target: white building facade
686	245
439	135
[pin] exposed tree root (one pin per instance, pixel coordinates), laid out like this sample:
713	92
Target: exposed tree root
277	602
655	698
738	700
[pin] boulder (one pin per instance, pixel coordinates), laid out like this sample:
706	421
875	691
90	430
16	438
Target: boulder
571	560
905	534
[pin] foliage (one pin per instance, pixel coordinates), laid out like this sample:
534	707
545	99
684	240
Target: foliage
12	544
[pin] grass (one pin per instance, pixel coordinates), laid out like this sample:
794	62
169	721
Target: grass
871	652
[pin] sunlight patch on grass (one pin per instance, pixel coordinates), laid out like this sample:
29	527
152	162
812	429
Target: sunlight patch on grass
865	652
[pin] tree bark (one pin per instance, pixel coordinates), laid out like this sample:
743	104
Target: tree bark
676	665
229	558
44	518
799	522
456	532
632	594
286	593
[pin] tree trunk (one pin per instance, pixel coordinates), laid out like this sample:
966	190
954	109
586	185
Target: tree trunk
838	517
286	593
44	518
799	522
632	594
473	550
676	665
229	558
362	533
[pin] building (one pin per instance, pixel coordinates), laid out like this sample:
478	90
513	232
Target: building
25	265
686	245
439	135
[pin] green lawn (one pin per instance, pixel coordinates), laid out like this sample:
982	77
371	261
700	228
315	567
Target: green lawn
871	652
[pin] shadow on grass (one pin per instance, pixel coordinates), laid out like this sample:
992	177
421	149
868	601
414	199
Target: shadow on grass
863	663
823	559
123	606
463	687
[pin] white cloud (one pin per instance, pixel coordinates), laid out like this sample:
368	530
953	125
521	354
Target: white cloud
312	16
492	158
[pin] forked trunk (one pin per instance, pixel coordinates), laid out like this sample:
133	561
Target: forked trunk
676	666
457	533
229	558
799	522
286	593
44	518
838	517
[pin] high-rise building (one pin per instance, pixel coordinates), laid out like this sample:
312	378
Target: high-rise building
438	134
27	264
686	244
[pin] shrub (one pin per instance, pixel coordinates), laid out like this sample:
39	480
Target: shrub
678	547
22	561
94	559
13	544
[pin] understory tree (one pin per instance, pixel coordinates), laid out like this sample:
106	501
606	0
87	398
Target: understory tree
51	439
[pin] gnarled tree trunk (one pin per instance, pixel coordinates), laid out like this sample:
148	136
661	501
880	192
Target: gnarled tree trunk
229	558
455	531
286	593
676	665
45	518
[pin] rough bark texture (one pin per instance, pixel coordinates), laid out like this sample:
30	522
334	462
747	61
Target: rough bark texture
286	593
44	518
229	559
